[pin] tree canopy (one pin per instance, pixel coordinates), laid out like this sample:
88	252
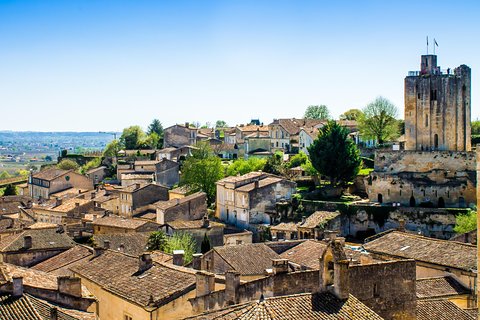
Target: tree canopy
158	240
220	124
378	121
352	114
155	127
466	222
201	170
112	148
10	190
67	164
242	166
132	137
335	155
320	112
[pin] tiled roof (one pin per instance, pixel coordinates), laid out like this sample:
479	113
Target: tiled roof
252	127
322	306
285	226
42	225
58	264
250	175
439	287
312	132
248	259
473	312
159	256
7	224
96	169
180	190
118	273
192	224
318	218
306	254
261	184
440	310
50	173
132	243
41	239
27	307
164	205
35	278
119	222
292	126
70	204
440	252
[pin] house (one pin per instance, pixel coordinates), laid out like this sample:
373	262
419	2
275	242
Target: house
234	237
306	137
9	226
32	246
249	260
315	225
191	207
257	144
11	206
250	199
434	257
47	296
142	290
133	243
135	196
243	131
48	181
445	287
97	174
179	192
179	135
198	229
285	133
59	264
284	231
115	224
164	171
174	154
60	211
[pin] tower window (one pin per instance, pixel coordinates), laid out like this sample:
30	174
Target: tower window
433	95
418	95
426	120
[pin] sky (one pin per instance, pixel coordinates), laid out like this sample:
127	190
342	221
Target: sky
104	65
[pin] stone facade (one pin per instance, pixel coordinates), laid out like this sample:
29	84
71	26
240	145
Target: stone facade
136	196
437	108
179	136
42	184
192	207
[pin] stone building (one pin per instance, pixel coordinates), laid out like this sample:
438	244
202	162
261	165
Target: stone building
437	107
191	207
285	133
42	184
136	196
115	224
437	167
179	135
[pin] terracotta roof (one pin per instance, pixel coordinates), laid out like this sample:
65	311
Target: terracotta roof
118	273
306	254
440	252
322	306
473	312
252	127
312	132
438	287
132	243
285	226
27	307
180	190
159	256
164	205
50	173
146	162
58	264
261	184
119	222
440	310
42	239
8	224
192	224
70	204
318	218
250	175
292	126
248	259
258	134
35	278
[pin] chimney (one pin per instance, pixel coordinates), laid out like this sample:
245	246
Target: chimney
17	283
330	235
206	221
106	244
137	185
27	242
70	285
178	257
341	284
205	283
77	204
187	125
58	202
144	262
256	184
303	220
160	216
232	282
280	266
92	195
197	261
53	313
97	251
401	225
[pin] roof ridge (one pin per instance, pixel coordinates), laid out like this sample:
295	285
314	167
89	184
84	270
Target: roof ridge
429	239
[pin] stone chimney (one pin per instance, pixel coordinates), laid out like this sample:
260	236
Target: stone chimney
58	202
232	282
178	257
341	286
160	216
197	261
17	283
401	225
280	266
106	244
144	262
205	283
303	219
27	242
137	185
206	221
330	235
256	183
70	285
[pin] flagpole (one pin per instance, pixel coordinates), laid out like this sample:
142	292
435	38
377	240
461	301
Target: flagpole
427	45
434	41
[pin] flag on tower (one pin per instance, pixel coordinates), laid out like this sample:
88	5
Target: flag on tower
435	42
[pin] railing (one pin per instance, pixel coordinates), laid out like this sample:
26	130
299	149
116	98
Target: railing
436	71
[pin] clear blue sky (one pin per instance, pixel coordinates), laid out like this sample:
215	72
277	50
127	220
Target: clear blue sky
104	65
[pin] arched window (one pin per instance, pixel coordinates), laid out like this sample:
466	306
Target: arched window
413	203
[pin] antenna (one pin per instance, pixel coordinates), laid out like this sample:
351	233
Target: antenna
427	45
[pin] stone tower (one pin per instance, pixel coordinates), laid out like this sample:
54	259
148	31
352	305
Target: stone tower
437	107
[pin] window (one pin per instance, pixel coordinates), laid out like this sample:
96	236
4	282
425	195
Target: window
127	317
426	120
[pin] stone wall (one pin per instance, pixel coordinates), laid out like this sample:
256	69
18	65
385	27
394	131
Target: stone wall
29	258
178	136
149	194
192	207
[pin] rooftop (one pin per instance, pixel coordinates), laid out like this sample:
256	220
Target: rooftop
318	218
131	243
42	239
261	184
306	254
50	173
119	222
193	224
434	251
439	287
58	264
441	310
163	205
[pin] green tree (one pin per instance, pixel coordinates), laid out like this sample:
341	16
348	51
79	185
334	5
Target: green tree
297	160
10	190
132	137
352	114
201	170
475	126
112	148
182	241
157	241
466	222
4	175
320	112
335	155
205	246
48	158
309	169
220	124
67	164
274	163
153	141
378	121
95	163
242	166
23	173
155	127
